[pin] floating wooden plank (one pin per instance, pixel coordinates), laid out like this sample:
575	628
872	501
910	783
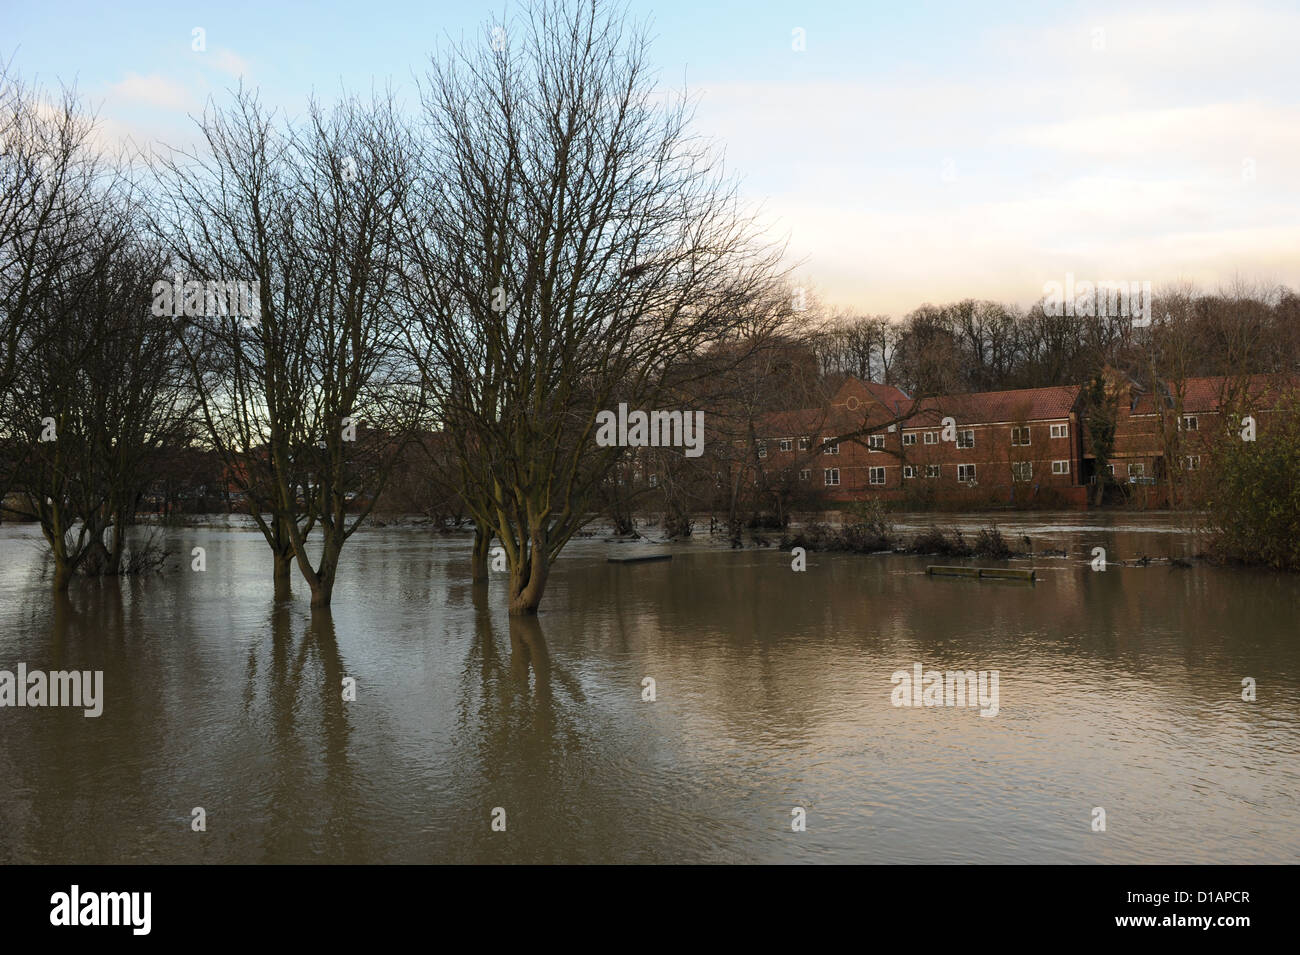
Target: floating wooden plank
638	558
1007	573
993	573
953	571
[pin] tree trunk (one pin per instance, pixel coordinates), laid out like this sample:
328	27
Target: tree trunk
62	574
282	547
479	555
283	574
321	579
322	592
119	543
56	536
96	562
528	581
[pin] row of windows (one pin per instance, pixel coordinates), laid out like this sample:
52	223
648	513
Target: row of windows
966	473
1020	471
965	439
1136	468
1191	462
804	445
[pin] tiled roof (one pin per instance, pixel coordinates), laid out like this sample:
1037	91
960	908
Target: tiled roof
987	407
881	404
1203	395
790	424
1027	404
887	395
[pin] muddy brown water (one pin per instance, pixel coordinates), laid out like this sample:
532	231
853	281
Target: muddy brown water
1118	690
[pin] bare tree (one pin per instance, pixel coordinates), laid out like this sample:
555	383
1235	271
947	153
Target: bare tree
51	188
308	397
98	391
574	246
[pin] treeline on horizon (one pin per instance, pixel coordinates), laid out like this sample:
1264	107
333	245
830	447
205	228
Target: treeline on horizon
972	345
450	299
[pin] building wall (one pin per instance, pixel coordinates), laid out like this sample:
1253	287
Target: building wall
866	472
1140	444
1139	440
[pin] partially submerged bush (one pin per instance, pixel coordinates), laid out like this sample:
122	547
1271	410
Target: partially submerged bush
934	540
990	543
1254	490
877	534
864	539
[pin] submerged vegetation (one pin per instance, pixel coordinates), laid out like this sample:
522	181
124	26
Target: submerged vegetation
871	532
1254	510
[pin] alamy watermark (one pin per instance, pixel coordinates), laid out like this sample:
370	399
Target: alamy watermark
75	907
651	429
210	299
924	687
57	688
1107	299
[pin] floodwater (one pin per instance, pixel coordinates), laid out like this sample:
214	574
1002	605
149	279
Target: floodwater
1118	690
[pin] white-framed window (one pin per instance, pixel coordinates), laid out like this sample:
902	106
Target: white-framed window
909	439
877	475
966	473
1060	467
829	448
1020	437
966	439
1188	422
932	437
1137	469
832	477
1022	470
805	474
762	449
654	480
909	470
932	470
1110	469
787	444
876	442
1192	462
805	443
1060	430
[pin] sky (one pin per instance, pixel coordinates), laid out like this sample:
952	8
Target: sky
906	152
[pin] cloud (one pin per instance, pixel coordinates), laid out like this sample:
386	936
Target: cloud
1167	155
229	62
1203	133
1214	39
151	90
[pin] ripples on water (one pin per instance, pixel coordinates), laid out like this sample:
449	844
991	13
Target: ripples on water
1117	689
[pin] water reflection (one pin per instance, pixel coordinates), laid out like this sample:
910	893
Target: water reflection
1119	689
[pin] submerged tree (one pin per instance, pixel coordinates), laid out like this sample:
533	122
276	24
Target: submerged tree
51	192
93	392
572	246
306	393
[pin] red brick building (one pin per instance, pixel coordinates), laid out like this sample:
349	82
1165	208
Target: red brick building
1181	425
992	447
1012	447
